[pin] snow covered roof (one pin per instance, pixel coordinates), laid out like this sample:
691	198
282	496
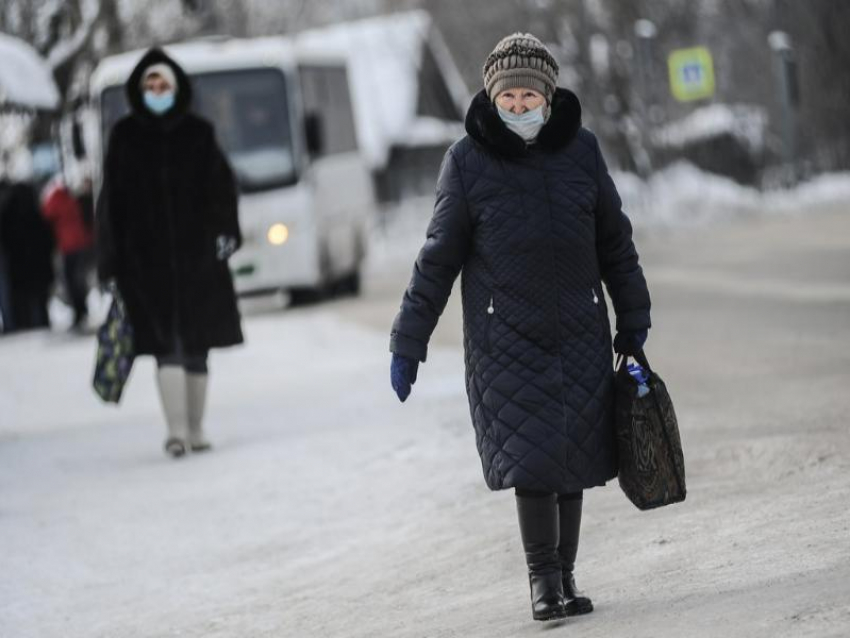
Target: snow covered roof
199	56
384	56
25	79
743	121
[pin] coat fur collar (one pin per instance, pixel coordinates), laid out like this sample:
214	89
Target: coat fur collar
486	127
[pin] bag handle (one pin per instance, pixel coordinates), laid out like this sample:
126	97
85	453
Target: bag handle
640	357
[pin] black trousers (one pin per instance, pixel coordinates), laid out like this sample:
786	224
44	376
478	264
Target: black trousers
76	268
192	363
29	309
567	496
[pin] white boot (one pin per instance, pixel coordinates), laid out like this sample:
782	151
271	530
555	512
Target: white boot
171	381
196	392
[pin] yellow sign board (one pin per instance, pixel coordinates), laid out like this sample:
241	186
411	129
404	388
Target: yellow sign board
691	74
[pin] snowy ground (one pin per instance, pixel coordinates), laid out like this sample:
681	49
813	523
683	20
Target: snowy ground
329	509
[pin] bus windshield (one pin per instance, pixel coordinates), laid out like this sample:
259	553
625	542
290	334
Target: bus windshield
249	110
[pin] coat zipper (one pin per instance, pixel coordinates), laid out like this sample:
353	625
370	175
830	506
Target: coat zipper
172	227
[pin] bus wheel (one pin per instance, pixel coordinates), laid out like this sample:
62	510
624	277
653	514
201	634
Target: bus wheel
351	284
307	296
325	287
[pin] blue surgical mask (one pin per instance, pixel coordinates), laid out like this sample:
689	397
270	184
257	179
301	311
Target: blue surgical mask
159	103
527	125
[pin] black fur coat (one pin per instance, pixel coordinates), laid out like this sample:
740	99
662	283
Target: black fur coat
167	194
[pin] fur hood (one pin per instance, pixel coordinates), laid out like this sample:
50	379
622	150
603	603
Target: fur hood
135	98
484	125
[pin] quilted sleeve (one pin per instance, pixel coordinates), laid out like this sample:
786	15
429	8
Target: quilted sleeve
618	258
437	266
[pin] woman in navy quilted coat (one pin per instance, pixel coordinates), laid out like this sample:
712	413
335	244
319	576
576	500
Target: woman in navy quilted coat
527	211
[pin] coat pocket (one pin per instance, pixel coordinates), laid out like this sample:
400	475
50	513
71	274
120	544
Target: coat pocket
488	325
601	312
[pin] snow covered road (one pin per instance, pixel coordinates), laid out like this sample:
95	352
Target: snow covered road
330	510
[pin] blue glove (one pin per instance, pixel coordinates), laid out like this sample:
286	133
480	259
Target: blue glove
403	375
629	343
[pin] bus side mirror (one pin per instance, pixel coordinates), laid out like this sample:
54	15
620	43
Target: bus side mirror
314	133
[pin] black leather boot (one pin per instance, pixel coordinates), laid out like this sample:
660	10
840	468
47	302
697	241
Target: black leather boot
538	526
570	523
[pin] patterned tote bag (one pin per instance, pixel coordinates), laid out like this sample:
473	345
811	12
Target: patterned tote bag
115	353
651	461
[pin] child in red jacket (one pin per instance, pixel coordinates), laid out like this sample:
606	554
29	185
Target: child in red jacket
75	240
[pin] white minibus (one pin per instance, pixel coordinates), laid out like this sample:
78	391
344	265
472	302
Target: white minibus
286	123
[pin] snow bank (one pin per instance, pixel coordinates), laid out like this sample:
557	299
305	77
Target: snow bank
399	232
424	131
829	189
683	195
746	123
680	196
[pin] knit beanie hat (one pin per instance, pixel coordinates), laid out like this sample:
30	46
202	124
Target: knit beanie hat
162	69
520	61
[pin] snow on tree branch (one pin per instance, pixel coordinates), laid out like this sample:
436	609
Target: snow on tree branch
65	50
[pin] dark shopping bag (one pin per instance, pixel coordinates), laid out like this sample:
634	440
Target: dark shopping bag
115	353
652	465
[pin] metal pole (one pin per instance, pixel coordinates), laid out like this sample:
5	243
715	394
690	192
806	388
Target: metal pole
780	43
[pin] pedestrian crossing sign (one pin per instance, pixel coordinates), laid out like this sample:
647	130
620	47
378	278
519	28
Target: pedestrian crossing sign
691	74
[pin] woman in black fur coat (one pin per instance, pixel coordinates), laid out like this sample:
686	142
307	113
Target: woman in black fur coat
527	210
26	244
167	223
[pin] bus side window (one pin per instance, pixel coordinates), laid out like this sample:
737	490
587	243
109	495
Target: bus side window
325	93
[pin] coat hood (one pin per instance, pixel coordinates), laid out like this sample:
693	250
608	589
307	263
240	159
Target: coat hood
486	127
183	99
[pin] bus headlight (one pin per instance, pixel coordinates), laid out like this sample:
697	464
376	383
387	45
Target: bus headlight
278	234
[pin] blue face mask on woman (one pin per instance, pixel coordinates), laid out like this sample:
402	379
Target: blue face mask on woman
159	103
527	125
